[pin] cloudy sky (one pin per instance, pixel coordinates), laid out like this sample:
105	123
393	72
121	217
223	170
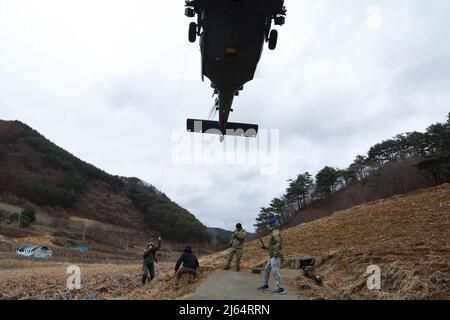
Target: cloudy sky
112	81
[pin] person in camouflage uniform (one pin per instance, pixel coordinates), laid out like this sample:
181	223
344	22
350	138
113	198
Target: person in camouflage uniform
237	245
149	261
275	257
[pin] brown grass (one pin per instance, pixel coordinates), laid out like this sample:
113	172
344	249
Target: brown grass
47	280
408	237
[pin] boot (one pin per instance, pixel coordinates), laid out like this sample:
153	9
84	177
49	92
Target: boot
144	278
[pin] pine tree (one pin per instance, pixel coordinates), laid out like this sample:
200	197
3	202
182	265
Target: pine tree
300	189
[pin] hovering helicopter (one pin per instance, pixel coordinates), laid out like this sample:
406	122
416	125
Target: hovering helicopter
232	35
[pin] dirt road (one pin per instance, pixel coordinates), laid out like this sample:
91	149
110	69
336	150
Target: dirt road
231	285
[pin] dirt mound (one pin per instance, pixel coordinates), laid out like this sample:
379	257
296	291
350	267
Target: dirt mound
406	236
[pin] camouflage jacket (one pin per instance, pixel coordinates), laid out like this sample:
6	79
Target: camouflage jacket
238	238
276	244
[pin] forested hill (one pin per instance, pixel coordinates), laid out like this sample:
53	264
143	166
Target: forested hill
35	169
407	162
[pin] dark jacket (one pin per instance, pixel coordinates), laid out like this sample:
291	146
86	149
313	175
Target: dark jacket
188	260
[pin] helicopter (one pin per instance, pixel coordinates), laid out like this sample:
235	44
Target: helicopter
232	34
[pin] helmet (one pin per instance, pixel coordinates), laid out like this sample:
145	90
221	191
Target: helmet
238	226
272	221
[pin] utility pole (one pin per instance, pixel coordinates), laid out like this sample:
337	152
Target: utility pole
84	231
18	220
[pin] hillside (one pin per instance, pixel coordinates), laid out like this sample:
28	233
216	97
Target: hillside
35	172
405	163
406	236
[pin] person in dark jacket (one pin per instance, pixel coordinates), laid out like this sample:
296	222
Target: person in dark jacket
149	261
188	263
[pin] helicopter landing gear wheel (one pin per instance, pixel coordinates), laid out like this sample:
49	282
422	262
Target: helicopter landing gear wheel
192	32
189	12
280	20
273	38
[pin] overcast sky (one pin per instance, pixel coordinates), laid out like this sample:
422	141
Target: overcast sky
114	81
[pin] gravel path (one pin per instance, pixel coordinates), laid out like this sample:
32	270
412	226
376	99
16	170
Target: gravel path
231	285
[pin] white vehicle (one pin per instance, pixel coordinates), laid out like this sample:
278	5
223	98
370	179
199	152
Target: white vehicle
35	251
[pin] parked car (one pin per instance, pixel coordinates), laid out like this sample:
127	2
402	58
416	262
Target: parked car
34	251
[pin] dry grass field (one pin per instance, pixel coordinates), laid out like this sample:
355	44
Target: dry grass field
407	236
